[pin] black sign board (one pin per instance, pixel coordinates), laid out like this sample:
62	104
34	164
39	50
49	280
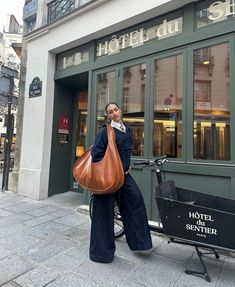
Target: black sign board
197	217
35	88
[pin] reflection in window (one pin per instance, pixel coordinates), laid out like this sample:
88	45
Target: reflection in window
105	92
133	104
202	92
212	105
168	83
81	123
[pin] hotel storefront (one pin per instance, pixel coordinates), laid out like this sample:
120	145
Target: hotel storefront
173	77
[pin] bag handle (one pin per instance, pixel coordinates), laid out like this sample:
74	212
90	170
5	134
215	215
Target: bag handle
111	134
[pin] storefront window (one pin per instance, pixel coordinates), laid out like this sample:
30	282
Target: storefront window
105	92
133	104
211	103
81	123
168	83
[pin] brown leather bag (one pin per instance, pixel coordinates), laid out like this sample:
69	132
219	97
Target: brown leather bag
104	176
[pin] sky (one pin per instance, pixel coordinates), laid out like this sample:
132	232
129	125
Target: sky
11	7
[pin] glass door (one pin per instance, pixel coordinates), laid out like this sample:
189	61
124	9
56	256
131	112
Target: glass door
211	103
106	89
133	98
81	127
167	108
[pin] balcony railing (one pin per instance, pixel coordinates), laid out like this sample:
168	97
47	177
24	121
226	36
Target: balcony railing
59	8
203	60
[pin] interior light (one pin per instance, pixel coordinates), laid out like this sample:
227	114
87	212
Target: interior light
205	124
79	150
220	125
206	62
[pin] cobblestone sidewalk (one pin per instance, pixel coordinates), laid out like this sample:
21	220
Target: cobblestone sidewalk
45	243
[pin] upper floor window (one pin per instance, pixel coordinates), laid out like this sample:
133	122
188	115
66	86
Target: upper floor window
59	8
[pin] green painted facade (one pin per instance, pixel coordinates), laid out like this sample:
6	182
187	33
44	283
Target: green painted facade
209	176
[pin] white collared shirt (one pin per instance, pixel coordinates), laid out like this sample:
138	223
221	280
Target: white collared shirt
119	126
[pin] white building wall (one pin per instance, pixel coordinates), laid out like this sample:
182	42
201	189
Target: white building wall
42	44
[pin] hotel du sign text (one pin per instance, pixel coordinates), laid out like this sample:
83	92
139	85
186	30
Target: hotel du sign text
138	37
217	11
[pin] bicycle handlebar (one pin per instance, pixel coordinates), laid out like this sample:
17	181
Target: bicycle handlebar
159	161
146	162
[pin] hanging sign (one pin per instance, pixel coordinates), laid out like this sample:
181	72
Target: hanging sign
35	88
63	127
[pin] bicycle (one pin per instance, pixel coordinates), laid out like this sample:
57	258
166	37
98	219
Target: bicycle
174	211
118	224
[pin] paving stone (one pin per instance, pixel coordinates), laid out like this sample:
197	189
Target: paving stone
62	212
123	250
178	252
73	280
48	249
65	262
226	277
77	234
11	284
37	277
12	267
157	271
13	229
86	225
50	208
112	274
10	203
22	207
17	243
40	220
15	218
48	229
71	220
70	200
213	267
37	212
79	252
5	252
132	284
4	213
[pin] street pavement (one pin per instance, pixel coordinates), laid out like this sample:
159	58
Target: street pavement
45	243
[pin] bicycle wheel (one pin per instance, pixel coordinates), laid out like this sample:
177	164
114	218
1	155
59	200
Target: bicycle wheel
118	224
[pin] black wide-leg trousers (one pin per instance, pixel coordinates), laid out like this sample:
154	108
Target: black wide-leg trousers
133	212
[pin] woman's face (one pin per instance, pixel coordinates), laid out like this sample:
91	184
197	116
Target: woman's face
114	113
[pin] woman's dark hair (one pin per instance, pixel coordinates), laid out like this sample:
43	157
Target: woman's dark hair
108	104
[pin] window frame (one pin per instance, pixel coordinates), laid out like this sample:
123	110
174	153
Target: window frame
230	39
187	101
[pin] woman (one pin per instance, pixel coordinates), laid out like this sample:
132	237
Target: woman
129	198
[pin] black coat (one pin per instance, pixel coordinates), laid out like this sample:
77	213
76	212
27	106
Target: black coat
123	141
